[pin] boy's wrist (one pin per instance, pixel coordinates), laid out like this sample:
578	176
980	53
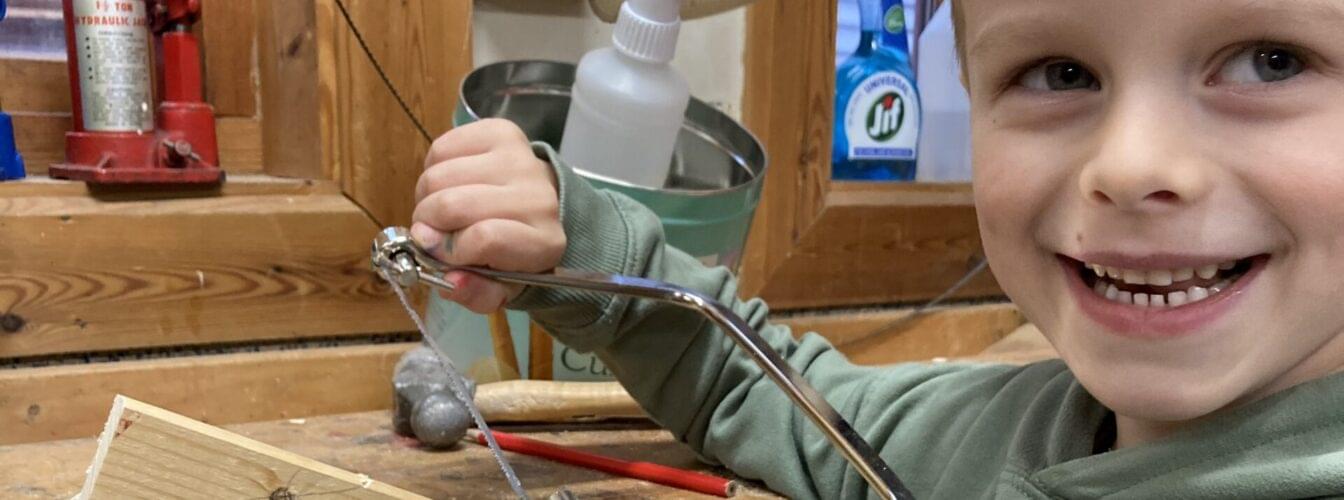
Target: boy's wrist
598	240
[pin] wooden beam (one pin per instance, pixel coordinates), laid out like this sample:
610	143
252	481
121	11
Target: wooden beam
790	82
287	56
92	274
240	144
146	451
892	336
63	402
228	35
424	46
238	185
883	244
40	138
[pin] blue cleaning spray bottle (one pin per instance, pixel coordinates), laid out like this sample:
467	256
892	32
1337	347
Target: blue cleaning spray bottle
11	162
876	104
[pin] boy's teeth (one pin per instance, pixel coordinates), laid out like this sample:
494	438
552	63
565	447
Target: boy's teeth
1160	277
1208	271
1134	277
1177	299
1159	300
1183	274
1198	293
1227	265
1141	299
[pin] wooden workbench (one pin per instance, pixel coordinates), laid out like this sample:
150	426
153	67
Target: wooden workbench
364	443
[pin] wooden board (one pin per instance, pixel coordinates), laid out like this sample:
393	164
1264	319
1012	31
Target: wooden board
141	450
883	244
369	144
364	442
892	336
287	54
34	86
62	402
91	274
41	140
228	36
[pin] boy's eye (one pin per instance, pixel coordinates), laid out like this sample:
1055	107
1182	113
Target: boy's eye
1262	64
1059	75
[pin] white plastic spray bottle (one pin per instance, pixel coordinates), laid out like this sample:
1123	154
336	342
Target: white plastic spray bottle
628	103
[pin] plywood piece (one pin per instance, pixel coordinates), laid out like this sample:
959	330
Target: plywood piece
92	274
883	337
364	442
424	46
883	244
34	86
62	402
146	451
228	37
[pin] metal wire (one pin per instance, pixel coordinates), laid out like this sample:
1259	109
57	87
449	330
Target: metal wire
387	82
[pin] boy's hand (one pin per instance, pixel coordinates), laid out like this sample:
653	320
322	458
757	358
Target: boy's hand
486	200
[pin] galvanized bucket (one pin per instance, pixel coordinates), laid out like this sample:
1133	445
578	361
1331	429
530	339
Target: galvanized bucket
706	207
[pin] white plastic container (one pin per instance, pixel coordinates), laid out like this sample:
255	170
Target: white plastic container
628	103
945	139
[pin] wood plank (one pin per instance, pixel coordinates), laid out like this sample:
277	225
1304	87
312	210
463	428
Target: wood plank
34	86
62	402
893	336
287	54
790	82
88	274
228	37
41	139
424	46
364	442
884	244
237	185
140	455
240	144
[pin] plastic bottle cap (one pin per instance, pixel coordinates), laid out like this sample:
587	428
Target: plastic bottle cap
647	29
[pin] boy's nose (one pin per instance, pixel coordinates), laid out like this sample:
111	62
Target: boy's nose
1144	163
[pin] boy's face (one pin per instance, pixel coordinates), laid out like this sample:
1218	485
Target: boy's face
1195	151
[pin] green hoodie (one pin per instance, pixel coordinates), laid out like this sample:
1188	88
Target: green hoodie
950	431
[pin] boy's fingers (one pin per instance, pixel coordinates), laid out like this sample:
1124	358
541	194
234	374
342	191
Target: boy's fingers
449	210
473	139
437	243
477	294
501	244
479	169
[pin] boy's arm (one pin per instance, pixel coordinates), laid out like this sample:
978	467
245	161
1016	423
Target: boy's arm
686	373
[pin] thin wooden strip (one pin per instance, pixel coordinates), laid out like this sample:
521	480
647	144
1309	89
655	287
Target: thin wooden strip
79	274
146	451
62	402
237	185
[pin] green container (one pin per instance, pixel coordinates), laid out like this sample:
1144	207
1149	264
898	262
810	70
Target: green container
706	207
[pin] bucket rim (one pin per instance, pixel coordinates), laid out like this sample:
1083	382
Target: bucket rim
757	177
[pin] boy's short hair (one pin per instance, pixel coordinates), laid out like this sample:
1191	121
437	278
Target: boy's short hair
958	29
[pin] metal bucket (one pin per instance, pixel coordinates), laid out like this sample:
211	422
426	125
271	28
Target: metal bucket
706	206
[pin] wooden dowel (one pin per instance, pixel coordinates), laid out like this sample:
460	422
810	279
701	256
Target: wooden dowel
539	354
503	341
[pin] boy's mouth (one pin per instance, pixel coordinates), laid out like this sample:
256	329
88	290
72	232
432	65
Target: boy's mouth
1161	288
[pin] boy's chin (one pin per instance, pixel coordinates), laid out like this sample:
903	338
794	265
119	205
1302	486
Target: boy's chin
1157	394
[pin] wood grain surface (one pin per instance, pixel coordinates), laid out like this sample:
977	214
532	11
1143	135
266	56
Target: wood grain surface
62	402
364	442
142	449
87	274
424	46
228	38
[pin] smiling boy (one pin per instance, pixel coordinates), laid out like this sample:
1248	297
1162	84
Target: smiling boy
1159	189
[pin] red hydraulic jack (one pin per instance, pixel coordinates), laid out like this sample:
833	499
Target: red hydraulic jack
115	140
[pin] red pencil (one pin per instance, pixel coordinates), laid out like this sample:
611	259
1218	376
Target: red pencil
661	474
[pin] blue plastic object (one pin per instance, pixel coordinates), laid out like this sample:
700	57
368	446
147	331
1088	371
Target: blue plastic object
11	162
